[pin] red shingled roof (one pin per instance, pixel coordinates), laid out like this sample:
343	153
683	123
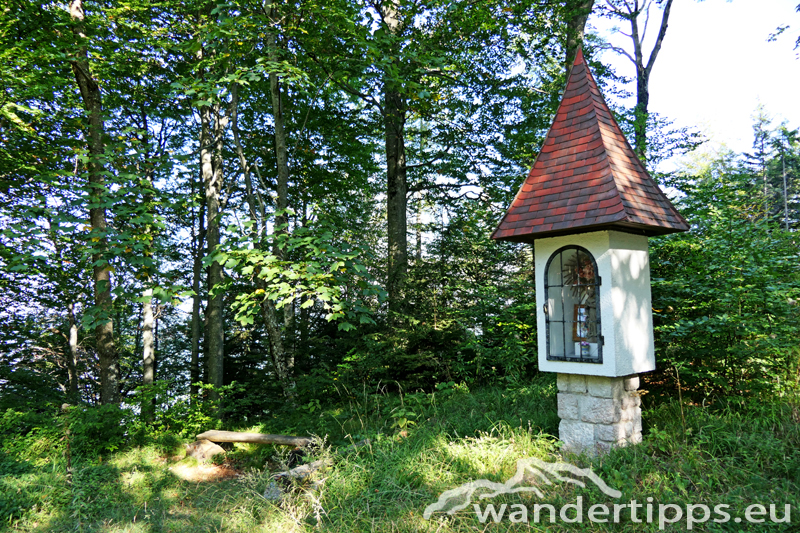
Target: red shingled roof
587	177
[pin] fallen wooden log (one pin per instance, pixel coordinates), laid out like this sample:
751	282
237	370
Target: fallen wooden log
256	438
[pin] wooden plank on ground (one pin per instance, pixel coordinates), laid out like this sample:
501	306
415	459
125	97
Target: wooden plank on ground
257	438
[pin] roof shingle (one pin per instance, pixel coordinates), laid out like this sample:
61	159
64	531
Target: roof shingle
586	176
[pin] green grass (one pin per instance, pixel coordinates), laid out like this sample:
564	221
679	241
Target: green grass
734	453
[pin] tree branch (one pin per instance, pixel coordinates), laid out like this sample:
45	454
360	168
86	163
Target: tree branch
440	186
661	33
646	18
346	86
303	128
480	195
429	161
617	49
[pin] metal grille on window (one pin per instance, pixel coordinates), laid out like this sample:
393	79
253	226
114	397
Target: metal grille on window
572	311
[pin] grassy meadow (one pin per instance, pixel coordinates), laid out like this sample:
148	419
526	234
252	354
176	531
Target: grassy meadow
737	452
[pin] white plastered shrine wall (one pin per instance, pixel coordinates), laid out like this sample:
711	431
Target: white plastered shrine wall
624	302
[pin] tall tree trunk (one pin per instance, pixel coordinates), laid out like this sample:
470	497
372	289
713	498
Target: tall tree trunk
397	195
281	205
148	346
642	113
71	357
197	270
92	101
211	162
281	154
279	361
577	13
396	180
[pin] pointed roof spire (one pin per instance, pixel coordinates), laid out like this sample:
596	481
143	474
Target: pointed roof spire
586	176
578	56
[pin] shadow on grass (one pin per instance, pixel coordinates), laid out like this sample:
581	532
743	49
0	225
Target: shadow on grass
130	494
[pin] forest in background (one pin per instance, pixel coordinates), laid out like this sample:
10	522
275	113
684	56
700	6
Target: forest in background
226	210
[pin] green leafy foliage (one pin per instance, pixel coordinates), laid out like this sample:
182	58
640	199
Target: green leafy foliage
176	417
95	431
317	270
723	293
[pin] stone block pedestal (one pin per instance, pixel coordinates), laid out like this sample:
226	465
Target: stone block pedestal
598	413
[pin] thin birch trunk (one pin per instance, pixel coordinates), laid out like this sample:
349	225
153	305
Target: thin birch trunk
148	352
148	345
280	363
72	356
418	233
785	195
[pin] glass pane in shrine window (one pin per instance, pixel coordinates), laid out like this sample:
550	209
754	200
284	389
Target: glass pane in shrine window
572	312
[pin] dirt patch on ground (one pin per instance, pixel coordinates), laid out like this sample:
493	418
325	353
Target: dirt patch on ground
203	472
